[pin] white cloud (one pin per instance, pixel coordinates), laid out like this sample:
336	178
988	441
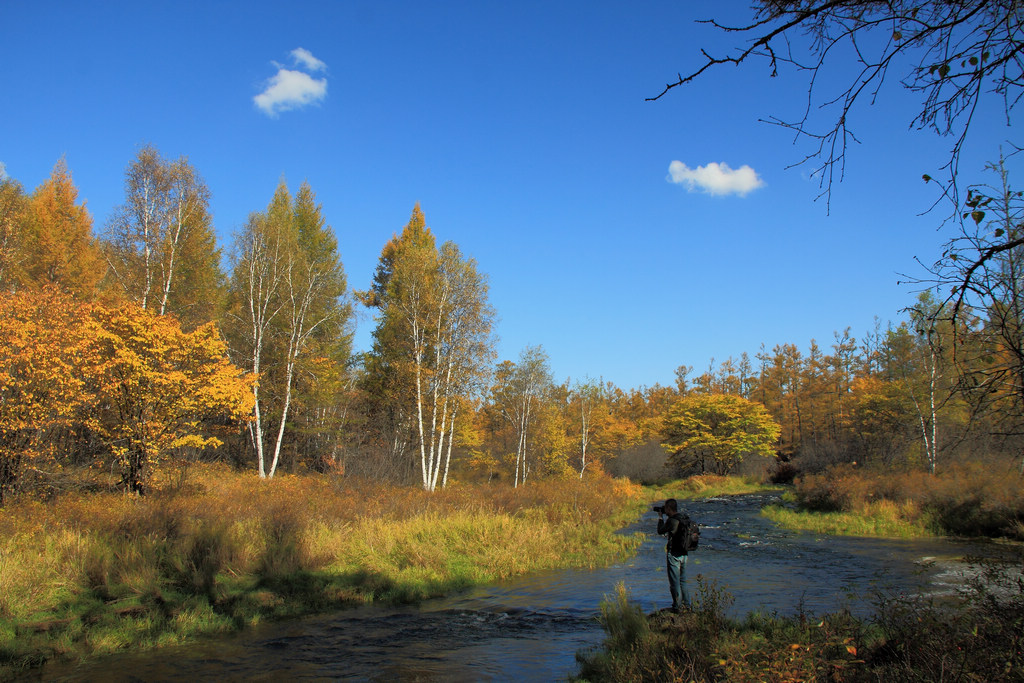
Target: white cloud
3	170
290	89
305	58
715	178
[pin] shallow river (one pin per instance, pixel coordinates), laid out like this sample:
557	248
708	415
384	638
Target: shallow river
530	628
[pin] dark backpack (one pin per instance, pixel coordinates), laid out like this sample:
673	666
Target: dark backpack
689	533
686	536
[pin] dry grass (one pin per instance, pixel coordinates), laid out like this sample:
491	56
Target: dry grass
708	485
970	500
218	550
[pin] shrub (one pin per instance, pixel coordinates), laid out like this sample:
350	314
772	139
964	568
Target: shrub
783	472
970	500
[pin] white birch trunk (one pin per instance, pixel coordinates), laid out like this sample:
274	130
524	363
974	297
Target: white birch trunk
184	208
448	458
299	334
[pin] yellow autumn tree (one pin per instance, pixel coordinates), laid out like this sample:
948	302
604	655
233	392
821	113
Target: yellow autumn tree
160	387
716	431
42	387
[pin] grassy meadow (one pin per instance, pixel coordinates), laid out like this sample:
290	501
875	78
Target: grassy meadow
215	551
218	551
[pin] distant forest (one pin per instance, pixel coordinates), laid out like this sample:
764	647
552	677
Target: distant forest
128	349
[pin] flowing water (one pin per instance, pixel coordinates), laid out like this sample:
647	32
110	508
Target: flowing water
530	628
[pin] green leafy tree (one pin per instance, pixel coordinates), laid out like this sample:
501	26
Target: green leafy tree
324	374
717	431
288	313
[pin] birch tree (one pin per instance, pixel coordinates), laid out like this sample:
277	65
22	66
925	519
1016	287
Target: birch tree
433	338
983	269
257	277
160	244
588	395
287	294
930	390
463	349
519	388
388	383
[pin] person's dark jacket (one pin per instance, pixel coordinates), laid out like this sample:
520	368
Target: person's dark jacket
673	527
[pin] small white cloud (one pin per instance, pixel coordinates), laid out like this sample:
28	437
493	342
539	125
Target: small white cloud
289	89
715	178
3	170
305	58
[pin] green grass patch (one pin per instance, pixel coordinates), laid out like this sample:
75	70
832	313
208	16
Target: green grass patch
881	519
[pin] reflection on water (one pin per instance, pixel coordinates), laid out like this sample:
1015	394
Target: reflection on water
530	628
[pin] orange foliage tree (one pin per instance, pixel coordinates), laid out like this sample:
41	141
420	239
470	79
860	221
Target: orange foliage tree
158	387
58	244
42	389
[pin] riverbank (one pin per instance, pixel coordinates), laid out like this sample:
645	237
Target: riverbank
974	636
970	501
968	631
707	486
95	573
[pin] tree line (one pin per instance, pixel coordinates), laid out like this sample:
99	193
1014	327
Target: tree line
131	349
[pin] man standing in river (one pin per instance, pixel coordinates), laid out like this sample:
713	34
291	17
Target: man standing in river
671	524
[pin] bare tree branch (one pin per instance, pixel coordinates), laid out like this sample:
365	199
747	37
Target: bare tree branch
955	53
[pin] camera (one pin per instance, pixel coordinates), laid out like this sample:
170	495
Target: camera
660	509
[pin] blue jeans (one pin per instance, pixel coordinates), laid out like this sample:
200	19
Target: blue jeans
677	581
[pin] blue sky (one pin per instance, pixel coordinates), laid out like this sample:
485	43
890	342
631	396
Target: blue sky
522	130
